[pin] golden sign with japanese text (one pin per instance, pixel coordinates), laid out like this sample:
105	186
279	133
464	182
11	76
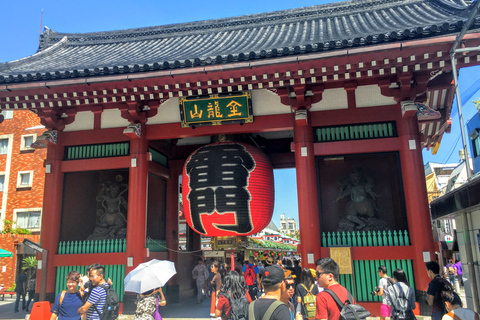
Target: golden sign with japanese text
216	109
227	243
343	258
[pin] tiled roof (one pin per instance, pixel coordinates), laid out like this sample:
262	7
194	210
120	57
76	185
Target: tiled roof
259	36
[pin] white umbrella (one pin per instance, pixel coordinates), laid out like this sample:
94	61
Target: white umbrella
149	275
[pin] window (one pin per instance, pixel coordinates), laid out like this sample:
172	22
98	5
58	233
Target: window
28	218
2	182
25	179
7	114
27	141
4	146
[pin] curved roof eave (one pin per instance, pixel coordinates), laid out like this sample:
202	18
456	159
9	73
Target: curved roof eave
223	41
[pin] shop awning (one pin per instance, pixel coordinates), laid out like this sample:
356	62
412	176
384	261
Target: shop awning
5	253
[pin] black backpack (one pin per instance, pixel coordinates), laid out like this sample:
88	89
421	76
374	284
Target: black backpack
239	308
112	305
348	310
401	309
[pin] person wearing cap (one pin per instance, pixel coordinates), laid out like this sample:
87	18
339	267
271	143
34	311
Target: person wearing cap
327	273
270	304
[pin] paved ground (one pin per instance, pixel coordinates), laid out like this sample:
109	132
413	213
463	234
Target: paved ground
188	309
6	309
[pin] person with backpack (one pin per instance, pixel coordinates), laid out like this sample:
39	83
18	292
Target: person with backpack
435	288
270	306
451	270
251	275
385	282
455	310
147	304
335	302
68	301
306	294
233	298
400	297
102	303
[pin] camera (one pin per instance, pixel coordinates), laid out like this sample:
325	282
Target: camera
375	292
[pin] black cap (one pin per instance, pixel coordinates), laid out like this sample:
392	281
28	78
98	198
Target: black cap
273	275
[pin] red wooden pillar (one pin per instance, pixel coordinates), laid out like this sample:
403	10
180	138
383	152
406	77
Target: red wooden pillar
416	201
308	212
172	213
137	201
52	212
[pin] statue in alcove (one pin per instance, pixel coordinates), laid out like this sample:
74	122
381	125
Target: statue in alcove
111	220
361	211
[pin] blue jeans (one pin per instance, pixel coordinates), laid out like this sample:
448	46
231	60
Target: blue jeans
20	295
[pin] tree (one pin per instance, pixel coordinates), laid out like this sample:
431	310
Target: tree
477	104
297	234
30	263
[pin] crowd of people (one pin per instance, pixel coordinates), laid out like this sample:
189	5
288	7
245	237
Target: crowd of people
276	289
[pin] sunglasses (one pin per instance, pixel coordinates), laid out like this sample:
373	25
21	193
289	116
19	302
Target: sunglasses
290	285
319	274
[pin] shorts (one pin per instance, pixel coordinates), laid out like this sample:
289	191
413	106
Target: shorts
385	310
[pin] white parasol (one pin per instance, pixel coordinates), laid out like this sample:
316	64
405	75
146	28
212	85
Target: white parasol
149	275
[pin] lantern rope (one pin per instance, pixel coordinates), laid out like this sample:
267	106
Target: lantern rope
177	251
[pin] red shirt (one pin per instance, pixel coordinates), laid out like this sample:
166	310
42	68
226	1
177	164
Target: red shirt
224	305
327	308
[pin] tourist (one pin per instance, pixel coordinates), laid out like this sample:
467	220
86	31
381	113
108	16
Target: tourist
435	288
385	281
274	287
251	275
200	275
234	288
93	308
458	264
216	283
400	297
298	270
327	274
68	301
454	307
21	289
287	296
305	285
31	289
147	304
451	270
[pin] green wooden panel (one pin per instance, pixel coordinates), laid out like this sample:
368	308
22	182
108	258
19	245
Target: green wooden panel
115	272
365	276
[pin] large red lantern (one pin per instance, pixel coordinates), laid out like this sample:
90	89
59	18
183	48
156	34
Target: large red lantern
227	190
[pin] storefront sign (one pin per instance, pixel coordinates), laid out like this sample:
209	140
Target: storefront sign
227	243
216	109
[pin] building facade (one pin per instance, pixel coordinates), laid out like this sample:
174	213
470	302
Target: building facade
344	98
22	176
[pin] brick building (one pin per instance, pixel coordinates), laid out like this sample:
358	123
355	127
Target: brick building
22	178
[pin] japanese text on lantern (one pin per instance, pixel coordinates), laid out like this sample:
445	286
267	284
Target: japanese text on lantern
213	190
216	109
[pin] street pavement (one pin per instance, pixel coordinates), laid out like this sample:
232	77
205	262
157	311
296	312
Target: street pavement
187	309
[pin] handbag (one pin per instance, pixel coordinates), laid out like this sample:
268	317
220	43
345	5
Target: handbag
156	315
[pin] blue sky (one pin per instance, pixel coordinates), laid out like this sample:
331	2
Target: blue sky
20	25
